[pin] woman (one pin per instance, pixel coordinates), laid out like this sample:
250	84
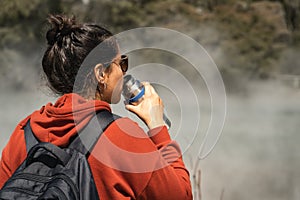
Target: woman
87	86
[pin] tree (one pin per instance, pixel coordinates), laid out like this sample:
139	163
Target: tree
23	21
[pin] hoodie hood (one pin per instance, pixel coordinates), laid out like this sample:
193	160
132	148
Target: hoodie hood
59	122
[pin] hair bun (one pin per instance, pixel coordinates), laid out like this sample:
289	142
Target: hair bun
61	27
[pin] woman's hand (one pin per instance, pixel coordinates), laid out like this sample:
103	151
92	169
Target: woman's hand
150	109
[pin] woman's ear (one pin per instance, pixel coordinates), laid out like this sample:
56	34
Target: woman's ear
99	74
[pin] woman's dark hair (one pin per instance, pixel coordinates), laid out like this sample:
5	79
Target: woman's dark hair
69	43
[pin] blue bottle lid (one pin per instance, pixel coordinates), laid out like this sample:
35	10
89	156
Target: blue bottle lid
138	96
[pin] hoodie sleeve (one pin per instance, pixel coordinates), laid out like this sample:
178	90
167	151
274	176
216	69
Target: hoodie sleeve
13	153
172	180
128	164
5	172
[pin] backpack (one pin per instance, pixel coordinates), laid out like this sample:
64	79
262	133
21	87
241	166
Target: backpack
51	172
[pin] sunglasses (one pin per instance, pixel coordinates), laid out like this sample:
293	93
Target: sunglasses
123	63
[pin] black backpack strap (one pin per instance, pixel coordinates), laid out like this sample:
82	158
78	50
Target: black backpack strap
90	134
30	139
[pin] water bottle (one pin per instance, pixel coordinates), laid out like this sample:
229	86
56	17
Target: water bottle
134	90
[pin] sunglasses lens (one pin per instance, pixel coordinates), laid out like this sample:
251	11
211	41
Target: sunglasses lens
124	63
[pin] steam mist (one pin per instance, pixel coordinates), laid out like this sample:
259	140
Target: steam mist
256	158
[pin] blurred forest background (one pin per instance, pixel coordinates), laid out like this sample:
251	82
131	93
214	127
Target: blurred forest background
261	38
256	46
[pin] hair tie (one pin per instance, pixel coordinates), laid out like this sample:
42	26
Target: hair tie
65	31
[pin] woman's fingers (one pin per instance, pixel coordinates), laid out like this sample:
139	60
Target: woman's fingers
150	109
149	90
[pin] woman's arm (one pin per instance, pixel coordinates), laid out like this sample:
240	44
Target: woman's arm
171	179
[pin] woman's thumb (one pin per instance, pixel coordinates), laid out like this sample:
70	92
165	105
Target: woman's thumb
130	107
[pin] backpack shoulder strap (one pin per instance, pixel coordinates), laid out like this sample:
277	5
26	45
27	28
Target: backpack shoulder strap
87	138
30	138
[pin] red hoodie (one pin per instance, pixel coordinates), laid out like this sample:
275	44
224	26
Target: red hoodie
126	163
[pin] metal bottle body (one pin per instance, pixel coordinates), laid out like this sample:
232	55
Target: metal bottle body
134	90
